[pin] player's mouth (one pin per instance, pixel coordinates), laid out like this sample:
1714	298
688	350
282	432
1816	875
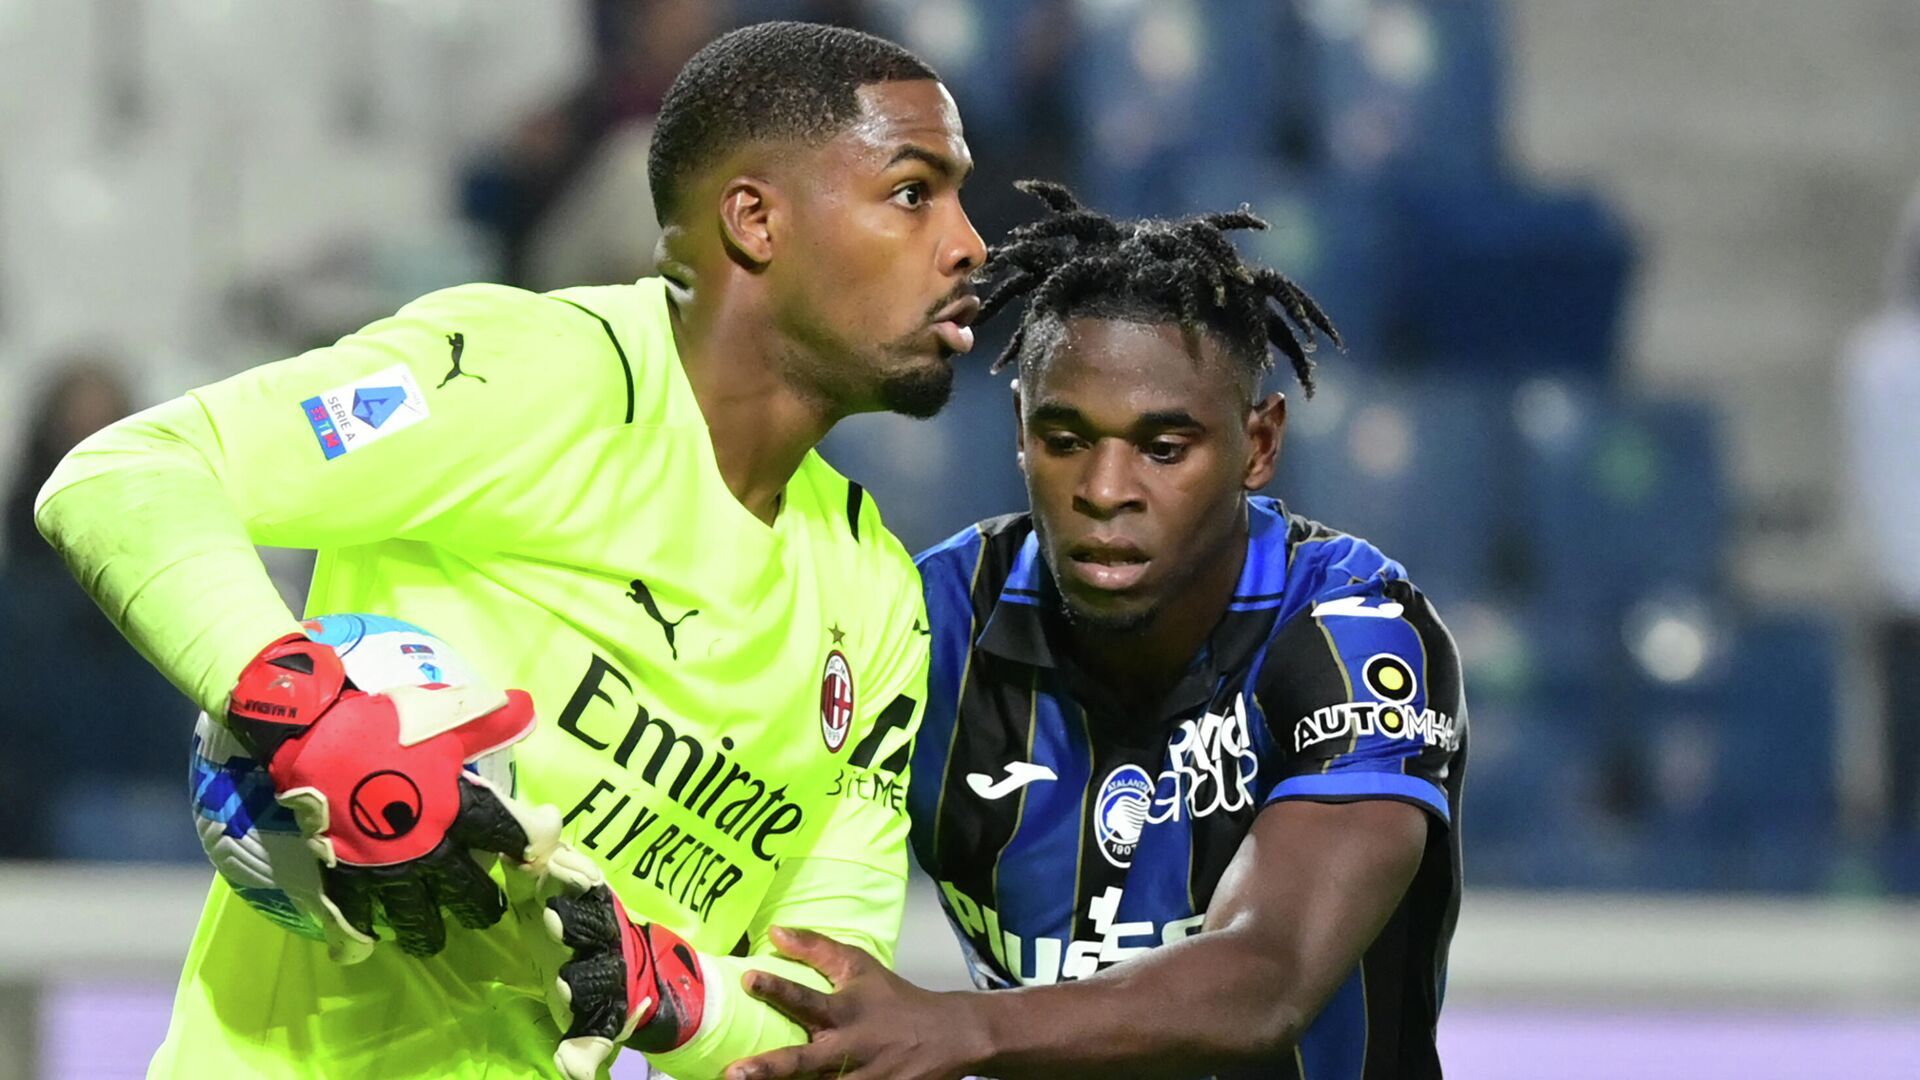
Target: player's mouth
1108	565
953	324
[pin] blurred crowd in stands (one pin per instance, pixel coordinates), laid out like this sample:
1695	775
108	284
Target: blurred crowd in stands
1636	723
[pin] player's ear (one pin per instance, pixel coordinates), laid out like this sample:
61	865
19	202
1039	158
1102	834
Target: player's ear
749	208
1019	430
1266	423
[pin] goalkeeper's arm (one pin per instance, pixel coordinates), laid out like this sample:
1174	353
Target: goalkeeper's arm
143	520
140	516
157	515
688	1011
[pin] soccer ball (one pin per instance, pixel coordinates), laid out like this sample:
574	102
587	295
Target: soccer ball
253	841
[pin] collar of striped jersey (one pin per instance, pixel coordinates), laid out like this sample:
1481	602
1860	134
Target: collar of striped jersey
1016	628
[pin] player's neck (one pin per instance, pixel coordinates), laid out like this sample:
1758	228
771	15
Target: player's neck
761	426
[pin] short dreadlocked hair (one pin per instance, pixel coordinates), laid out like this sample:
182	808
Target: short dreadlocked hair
769	81
1076	261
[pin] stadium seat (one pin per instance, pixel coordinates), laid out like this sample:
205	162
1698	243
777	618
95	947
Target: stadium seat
1409	90
1898	858
1619	498
1780	695
1137	102
1530	792
1739	764
1411	464
1502	277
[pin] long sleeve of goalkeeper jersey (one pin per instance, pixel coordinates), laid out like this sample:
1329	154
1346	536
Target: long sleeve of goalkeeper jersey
158	514
853	903
141	518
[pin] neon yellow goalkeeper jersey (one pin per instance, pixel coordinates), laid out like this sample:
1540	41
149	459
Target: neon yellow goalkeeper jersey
530	478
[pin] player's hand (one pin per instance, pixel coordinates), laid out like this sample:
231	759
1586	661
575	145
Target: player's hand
377	784
874	1026
620	981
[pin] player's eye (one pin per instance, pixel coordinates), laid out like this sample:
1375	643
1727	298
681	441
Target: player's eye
912	196
1061	442
1167	451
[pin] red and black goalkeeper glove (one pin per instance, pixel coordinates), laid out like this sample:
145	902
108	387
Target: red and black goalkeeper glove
377	784
634	983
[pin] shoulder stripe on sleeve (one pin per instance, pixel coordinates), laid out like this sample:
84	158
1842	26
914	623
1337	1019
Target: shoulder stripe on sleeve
855	496
1355	786
625	367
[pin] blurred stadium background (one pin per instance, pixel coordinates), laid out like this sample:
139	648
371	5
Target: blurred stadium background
1627	391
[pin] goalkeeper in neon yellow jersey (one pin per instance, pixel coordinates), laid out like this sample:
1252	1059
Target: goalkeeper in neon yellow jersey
608	497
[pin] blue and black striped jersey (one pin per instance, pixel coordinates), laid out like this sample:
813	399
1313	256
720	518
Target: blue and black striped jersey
1067	834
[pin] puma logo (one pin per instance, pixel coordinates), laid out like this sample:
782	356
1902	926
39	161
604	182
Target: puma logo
643	596
458	343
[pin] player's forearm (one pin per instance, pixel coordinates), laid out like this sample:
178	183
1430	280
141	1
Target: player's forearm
144	524
1205	1004
1311	888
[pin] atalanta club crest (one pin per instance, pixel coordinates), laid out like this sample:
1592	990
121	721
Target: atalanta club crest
836	701
1120	814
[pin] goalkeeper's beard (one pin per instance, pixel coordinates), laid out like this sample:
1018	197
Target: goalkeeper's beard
911	375
920	390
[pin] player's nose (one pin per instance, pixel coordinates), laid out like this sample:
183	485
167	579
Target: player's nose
1107	484
965	251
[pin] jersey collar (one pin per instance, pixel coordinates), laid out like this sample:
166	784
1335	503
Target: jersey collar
1016	628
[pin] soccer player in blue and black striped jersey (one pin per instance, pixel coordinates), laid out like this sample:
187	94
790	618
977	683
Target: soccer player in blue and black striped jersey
1189	776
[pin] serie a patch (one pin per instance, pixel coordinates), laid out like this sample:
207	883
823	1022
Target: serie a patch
365	411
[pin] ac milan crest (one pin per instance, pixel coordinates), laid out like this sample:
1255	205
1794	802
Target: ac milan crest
836	701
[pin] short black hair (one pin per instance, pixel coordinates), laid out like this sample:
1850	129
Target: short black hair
1076	261
771	81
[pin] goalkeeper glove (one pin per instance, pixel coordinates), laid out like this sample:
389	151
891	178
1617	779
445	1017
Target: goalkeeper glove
627	982
377	784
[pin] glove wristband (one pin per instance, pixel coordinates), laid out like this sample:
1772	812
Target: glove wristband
282	691
680	987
